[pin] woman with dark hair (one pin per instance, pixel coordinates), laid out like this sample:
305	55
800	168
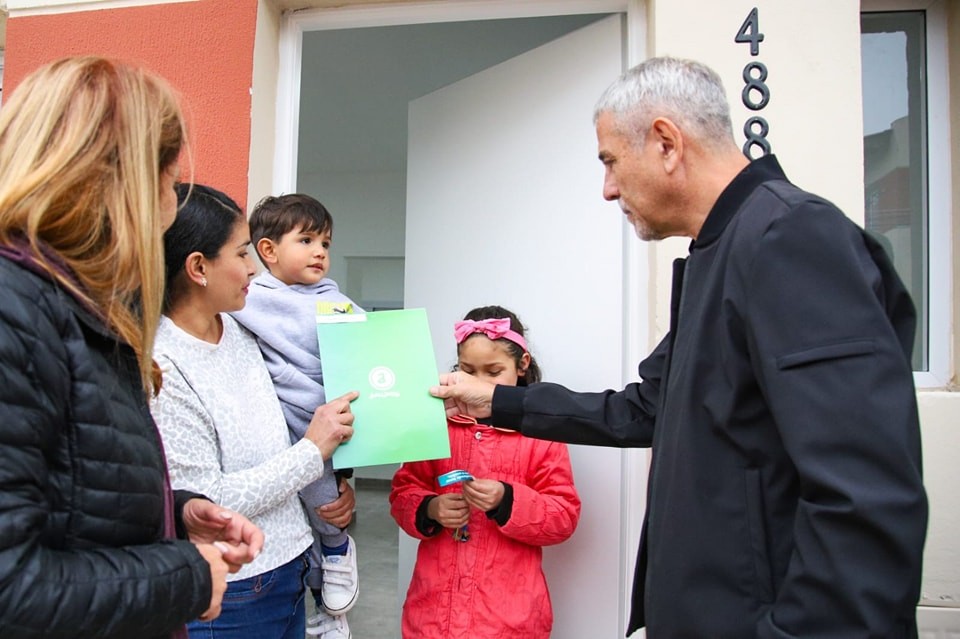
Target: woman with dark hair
222	423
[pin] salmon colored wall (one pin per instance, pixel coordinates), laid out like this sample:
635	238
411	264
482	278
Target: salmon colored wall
204	48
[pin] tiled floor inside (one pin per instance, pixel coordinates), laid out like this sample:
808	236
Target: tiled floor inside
376	615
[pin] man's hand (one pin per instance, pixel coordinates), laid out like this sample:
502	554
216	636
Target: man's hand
237	538
339	512
464	394
483	494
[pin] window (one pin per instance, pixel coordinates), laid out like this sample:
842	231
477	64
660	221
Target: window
906	178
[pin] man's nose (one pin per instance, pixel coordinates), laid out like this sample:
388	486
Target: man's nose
610	190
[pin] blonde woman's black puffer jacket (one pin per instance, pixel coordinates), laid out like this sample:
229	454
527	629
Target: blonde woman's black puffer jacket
82	486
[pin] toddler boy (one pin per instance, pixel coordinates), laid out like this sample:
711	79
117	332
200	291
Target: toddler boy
292	235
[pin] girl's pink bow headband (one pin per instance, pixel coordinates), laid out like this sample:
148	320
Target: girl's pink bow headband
492	328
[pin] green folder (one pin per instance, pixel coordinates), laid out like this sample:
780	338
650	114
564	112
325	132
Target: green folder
388	357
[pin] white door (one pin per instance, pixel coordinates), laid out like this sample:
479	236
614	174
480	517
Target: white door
504	207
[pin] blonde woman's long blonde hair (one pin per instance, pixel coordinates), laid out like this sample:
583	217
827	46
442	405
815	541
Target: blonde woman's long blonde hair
83	142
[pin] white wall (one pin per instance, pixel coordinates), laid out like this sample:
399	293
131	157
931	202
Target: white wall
941	442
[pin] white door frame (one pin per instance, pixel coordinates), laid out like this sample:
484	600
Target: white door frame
638	260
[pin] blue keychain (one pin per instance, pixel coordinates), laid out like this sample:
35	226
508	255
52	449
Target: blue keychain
455	477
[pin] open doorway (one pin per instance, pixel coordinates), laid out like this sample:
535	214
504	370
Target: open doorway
356	85
358	89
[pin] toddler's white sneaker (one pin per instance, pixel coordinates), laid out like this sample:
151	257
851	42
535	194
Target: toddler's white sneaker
341	583
328	626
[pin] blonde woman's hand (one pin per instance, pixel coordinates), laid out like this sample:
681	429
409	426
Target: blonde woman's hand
218	579
332	424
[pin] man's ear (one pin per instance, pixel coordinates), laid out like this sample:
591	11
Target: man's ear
267	250
669	141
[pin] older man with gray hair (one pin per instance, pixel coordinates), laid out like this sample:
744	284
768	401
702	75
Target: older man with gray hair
785	492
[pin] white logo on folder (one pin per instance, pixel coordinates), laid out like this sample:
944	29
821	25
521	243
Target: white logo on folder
382	378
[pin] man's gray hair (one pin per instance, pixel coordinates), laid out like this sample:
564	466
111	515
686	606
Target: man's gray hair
689	93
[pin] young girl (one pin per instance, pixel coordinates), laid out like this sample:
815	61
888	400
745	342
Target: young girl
478	572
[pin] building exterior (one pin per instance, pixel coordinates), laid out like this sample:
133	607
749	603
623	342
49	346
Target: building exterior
858	98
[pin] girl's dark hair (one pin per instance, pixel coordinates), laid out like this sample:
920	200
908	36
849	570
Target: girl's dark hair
205	219
273	217
532	375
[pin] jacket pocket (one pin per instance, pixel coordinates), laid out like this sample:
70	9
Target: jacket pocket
827	351
758	535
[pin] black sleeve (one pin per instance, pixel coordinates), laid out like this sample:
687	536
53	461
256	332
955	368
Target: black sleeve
427	527
610	418
501	514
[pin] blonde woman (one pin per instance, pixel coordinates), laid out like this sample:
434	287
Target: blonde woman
88	524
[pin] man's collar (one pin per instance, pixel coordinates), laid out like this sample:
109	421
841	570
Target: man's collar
753	175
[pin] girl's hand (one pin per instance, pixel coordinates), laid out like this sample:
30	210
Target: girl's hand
483	494
450	510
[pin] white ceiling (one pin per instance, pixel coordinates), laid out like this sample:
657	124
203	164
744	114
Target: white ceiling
356	83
